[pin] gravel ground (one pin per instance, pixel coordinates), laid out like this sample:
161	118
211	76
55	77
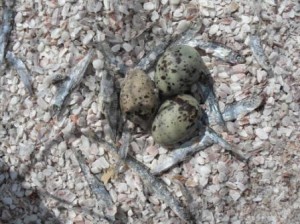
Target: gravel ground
40	178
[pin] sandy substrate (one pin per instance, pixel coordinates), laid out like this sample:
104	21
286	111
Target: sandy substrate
51	37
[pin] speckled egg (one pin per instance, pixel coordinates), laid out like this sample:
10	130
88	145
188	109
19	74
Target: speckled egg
176	120
138	98
178	69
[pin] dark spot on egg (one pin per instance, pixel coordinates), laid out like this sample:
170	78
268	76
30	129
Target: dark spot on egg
189	126
178	60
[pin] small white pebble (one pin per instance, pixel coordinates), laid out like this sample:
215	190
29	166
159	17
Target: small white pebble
66	195
7	200
274	56
223	75
239	68
26	185
99	164
98	64
122	187
47	117
235	87
204	172
148	158
148	6
79	186
231	185
174	2
205	13
94	6
18	18
130	213
61	2
71	214
271	100
260	132
178	13
258	160
245	19
33	114
233	7
257	199
127	47
116	48
56	212
261	75
88	37
200	160
56	33
235	78
154	16
106	4
153	200
41	47
235	195
243	133
42	104
25	151
213	29
14	100
16	46
245	28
